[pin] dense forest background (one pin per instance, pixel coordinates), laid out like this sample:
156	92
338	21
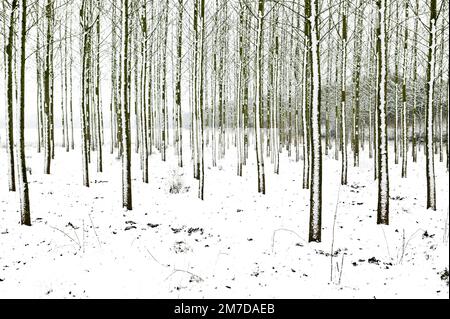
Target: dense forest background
359	88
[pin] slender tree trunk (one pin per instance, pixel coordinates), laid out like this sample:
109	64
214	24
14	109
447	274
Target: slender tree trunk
429	87
382	146
164	115
357	81
10	98
259	99
47	88
414	88
315	223
25	218
404	100
65	92
97	96
85	92
396	81
179	114
72	140
305	106
125	115
343	97
38	79
200	103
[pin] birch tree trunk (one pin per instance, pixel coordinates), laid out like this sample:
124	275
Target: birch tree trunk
97	96
47	88
164	115
343	97
200	103
125	115
179	114
429	87
25	218
85	28
259	99
404	100
414	88
382	146
305	107
396	80
357	81
10	98
315	223
144	101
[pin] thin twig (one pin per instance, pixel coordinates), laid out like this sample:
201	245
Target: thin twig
287	230
342	268
95	232
83	238
387	245
78	244
76	235
332	238
445	239
184	271
403	246
153	257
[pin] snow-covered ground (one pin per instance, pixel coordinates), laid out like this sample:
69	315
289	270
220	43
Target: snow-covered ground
234	244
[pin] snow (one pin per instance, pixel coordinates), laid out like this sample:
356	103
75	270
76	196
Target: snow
234	244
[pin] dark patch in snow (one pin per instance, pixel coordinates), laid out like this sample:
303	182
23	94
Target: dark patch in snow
129	228
181	247
373	260
444	276
71	225
357	203
335	253
192	230
177	230
426	235
153	225
195	278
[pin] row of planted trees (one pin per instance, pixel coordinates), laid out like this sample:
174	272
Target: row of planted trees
301	77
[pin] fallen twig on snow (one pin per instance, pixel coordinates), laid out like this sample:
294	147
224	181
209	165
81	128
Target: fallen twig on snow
287	230
332	238
63	232
185	271
153	257
342	268
446	237
407	242
387	244
95	232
